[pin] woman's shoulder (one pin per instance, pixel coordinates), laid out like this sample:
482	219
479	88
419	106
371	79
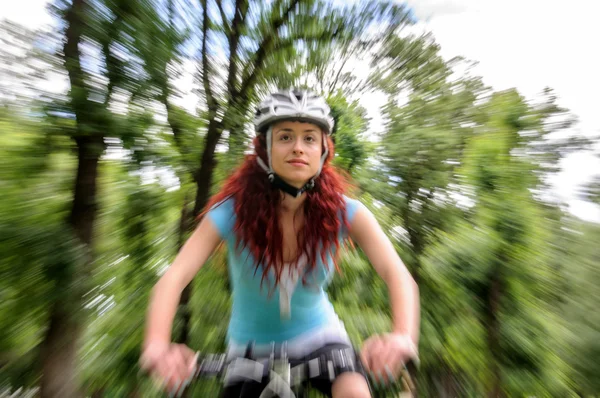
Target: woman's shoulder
222	214
352	206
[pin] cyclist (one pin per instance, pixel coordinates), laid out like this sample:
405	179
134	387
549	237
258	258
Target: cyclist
283	216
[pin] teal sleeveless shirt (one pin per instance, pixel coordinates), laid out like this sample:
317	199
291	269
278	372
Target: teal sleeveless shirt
255	316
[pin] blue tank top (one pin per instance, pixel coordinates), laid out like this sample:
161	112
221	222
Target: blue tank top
255	316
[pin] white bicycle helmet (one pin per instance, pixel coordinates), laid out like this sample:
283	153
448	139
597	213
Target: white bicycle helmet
295	105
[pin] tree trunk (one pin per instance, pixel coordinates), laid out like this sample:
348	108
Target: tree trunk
493	332
203	182
99	393
449	383
184	223
204	176
186	315
174	124
59	348
83	212
59	353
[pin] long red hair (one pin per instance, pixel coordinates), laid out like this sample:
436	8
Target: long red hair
256	204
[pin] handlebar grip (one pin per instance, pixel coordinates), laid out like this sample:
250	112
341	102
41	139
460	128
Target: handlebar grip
408	374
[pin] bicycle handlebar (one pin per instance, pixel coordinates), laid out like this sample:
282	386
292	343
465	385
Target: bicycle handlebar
216	364
291	372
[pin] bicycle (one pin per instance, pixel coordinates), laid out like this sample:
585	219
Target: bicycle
285	378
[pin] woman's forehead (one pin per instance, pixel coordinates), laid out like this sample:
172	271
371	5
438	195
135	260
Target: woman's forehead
296	126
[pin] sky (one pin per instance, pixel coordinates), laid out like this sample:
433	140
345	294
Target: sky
527	44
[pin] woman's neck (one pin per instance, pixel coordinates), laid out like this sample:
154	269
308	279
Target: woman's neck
291	205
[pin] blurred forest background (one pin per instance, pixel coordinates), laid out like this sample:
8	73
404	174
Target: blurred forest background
100	184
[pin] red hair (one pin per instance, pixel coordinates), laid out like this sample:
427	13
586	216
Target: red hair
256	204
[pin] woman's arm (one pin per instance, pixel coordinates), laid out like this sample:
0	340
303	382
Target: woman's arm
167	291
403	290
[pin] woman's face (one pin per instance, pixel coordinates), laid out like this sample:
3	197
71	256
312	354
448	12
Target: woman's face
296	151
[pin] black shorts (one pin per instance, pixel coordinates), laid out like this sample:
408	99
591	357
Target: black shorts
252	389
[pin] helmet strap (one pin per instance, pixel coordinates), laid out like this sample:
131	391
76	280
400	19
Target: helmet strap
269	168
290	189
323	156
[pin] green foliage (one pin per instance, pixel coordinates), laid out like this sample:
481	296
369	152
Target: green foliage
135	245
410	63
351	123
37	249
496	267
509	283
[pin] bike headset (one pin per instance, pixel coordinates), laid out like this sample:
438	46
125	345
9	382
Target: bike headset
292	105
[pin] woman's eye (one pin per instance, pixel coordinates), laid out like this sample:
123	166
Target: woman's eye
284	137
310	138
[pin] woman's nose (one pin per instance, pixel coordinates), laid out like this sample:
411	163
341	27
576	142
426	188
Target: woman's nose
298	147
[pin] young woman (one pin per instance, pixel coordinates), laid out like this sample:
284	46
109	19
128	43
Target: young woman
283	216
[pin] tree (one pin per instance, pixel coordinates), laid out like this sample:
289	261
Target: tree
106	28
493	270
411	180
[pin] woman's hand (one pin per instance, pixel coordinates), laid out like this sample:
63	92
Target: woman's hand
171	364
385	355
